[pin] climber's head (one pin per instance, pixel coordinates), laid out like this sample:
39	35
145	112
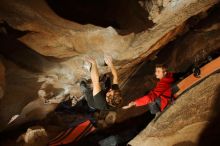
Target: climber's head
114	98
160	71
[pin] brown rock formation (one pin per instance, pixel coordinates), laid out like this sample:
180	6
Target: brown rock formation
51	35
34	136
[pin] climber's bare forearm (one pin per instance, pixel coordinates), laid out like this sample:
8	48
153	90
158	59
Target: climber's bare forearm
95	79
108	61
115	74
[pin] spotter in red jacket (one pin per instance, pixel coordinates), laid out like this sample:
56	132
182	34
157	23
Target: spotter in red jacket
162	90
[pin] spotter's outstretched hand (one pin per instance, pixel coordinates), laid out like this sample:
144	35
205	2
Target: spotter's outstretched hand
131	104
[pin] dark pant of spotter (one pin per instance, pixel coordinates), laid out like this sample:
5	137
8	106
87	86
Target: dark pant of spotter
154	107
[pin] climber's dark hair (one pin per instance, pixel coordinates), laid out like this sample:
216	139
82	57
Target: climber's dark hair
115	100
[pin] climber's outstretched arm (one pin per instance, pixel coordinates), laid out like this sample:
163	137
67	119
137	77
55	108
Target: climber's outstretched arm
94	75
108	61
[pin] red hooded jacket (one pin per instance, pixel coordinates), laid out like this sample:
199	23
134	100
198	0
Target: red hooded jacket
162	90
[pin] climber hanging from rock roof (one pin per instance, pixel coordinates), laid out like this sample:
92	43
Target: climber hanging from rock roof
106	98
160	96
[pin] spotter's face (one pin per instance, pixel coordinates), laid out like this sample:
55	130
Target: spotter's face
160	73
